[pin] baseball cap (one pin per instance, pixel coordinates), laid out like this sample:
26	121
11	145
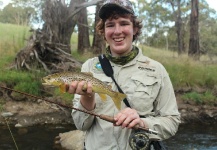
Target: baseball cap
107	5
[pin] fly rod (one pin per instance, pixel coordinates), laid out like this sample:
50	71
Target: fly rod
101	116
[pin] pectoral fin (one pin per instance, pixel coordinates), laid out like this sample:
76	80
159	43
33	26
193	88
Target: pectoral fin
62	88
102	96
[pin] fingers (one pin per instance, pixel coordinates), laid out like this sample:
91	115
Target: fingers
81	88
127	118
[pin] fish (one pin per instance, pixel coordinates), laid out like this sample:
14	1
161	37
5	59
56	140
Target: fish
61	79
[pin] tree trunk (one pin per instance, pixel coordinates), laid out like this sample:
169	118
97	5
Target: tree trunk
83	31
49	47
178	25
179	30
98	41
194	49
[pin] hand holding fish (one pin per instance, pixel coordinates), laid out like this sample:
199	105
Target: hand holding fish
129	118
85	90
81	88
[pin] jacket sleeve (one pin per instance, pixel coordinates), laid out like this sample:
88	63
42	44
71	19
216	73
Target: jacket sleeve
82	121
167	118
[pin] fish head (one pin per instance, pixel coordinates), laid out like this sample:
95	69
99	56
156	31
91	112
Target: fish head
51	80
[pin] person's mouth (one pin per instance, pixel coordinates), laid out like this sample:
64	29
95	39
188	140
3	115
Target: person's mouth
118	39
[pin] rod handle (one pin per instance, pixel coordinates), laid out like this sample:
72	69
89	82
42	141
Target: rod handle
111	119
107	118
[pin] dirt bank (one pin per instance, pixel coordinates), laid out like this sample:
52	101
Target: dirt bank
28	113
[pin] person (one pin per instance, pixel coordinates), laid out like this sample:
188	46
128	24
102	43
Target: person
145	82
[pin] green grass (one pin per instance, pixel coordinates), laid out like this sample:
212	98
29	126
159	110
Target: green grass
12	37
183	71
22	80
200	98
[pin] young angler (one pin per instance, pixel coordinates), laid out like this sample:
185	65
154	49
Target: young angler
145	82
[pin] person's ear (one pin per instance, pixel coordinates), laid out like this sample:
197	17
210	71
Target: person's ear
135	30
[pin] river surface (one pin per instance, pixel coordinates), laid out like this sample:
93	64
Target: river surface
189	137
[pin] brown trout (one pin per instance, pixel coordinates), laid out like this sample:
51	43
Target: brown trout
60	79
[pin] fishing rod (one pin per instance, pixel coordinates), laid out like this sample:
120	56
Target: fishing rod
101	116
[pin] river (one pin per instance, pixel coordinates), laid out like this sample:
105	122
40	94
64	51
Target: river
189	137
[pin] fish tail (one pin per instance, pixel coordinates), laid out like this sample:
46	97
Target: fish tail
117	98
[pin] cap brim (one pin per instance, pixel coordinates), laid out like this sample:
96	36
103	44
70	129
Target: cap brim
109	7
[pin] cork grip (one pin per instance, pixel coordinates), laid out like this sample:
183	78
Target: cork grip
107	118
111	119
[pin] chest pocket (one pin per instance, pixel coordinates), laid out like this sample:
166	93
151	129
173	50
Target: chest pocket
144	90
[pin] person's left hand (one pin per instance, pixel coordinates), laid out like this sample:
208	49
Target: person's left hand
128	118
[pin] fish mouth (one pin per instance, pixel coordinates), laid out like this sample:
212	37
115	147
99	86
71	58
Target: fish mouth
48	84
44	82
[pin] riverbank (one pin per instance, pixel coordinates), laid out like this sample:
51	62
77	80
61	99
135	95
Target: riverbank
29	113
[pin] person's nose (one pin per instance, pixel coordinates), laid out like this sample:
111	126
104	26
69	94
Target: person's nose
117	29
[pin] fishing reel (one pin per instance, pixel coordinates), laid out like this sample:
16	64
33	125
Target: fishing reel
139	141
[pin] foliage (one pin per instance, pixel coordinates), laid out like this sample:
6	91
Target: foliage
183	71
64	96
158	17
21	80
200	98
16	15
12	38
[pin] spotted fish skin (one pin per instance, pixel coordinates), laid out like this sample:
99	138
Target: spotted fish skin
99	87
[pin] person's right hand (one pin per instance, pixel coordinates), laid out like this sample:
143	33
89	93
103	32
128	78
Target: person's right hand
85	90
80	87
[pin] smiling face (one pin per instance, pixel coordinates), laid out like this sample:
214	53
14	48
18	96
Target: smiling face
119	33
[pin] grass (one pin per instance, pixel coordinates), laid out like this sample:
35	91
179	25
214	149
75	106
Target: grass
183	71
13	38
200	98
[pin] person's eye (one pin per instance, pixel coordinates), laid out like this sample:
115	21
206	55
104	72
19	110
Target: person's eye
125	23
109	25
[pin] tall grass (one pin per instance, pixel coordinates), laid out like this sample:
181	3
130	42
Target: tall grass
187	73
12	38
184	71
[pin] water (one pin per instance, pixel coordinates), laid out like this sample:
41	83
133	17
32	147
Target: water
189	137
32	138
194	137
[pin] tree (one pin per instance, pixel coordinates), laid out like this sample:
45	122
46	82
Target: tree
178	25
160	14
49	47
83	31
98	41
208	31
194	49
16	15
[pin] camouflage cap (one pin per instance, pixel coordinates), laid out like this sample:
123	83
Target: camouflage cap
125	5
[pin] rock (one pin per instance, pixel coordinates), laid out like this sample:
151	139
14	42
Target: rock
7	114
73	140
18	125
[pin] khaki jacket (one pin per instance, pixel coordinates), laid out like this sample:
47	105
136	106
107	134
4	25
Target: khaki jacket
149	90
